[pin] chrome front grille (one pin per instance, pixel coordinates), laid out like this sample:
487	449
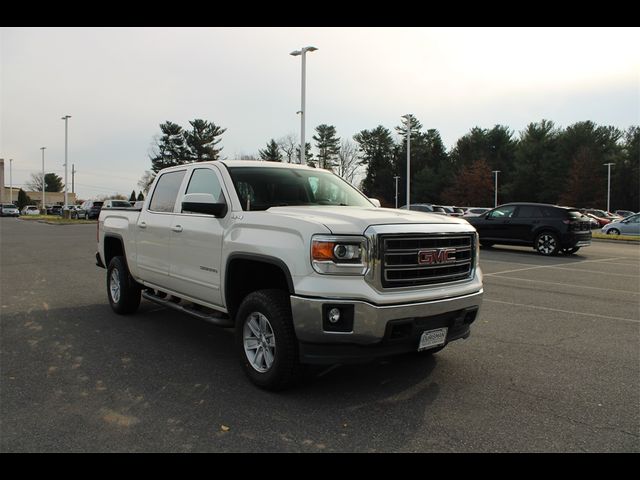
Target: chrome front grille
423	259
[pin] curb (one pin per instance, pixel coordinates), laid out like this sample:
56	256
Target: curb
623	242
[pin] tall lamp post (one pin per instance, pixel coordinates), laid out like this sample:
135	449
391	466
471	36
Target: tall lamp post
43	205
396	178
65	118
495	195
295	53
10	180
407	117
608	184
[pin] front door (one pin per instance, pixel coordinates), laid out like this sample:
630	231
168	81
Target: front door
195	248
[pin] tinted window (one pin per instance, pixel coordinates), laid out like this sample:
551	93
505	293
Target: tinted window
97	204
551	212
166	191
529	211
503	212
421	208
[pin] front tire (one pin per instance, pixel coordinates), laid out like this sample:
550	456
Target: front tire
613	231
266	340
547	244
123	291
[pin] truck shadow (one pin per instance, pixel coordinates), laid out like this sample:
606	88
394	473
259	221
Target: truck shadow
166	379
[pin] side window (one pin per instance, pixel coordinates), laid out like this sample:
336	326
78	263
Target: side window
529	211
166	191
205	180
634	219
503	212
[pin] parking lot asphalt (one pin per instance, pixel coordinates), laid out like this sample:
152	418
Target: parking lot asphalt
552	365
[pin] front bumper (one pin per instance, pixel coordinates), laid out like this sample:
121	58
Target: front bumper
377	330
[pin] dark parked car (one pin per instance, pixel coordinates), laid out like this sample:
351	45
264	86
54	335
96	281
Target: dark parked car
56	210
91	209
549	229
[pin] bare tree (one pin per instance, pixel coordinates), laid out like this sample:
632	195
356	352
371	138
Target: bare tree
146	180
288	145
348	161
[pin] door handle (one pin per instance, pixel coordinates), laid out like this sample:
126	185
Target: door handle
142	225
177	228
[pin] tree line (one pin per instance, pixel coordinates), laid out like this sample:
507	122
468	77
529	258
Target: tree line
542	163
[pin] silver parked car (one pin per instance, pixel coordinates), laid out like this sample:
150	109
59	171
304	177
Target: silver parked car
627	226
9	210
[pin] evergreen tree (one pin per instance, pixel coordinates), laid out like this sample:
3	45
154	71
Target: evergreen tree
536	165
132	197
376	153
170	149
584	148
271	153
328	146
140	196
23	199
52	182
202	139
307	155
625	174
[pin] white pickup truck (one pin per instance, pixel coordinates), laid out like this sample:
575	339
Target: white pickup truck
306	268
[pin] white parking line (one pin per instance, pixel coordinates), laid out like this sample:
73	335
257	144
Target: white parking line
549	266
627	292
536	307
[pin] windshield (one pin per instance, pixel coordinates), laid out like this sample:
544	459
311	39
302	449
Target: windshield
261	188
8	206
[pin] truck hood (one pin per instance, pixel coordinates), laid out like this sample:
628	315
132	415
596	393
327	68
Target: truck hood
355	220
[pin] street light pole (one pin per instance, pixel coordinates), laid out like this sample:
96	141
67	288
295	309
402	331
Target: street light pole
396	178
295	53
407	117
495	195
10	181
608	184
65	118
43	205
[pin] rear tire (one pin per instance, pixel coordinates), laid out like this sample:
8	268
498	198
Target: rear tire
123	291
613	231
266	339
547	244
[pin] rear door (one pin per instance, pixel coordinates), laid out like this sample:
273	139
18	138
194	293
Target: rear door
153	229
524	223
195	248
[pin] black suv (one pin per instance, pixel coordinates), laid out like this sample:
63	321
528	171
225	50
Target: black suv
549	229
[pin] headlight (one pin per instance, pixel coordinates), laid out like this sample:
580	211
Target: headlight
339	255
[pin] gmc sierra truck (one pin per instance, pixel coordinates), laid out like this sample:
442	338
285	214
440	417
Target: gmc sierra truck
302	265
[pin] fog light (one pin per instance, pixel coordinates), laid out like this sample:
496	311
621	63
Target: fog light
334	315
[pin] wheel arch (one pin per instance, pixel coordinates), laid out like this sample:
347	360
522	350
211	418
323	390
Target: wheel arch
249	272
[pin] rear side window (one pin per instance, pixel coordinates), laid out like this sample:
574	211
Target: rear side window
166	191
551	212
529	211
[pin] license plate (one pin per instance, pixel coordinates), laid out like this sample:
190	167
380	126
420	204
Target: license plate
432	338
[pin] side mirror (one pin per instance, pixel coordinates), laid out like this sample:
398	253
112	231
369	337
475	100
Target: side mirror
203	203
375	201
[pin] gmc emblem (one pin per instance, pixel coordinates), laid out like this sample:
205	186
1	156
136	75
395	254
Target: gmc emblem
437	256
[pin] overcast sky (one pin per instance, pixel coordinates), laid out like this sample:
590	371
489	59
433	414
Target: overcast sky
119	84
